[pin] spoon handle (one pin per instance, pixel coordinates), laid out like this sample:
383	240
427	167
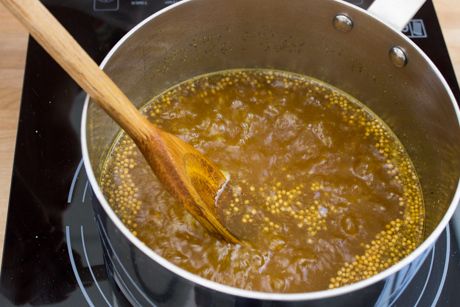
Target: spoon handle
55	39
185	173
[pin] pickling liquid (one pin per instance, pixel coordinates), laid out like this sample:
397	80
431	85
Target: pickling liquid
321	192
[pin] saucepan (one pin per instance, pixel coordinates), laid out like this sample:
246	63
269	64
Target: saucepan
360	52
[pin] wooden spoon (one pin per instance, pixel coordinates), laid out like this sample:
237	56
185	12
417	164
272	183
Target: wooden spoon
185	173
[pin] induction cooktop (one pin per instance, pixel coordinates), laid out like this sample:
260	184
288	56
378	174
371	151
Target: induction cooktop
53	254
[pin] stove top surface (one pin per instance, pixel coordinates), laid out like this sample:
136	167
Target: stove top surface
52	252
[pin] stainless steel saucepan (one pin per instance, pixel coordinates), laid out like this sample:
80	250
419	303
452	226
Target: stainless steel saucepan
361	52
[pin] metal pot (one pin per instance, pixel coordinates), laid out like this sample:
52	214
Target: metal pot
330	40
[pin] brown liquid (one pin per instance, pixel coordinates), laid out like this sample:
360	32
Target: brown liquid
320	190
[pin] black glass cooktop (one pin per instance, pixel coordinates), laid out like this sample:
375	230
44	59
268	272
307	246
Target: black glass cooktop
52	253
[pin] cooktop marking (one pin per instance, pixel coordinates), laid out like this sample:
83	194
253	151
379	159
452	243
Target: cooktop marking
427	278
84	193
106	5
446	266
74	267
415	29
74	180
89	267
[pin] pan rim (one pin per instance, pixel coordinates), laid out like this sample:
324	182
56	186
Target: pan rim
256	294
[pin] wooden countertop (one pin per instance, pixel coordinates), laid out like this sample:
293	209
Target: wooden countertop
13	46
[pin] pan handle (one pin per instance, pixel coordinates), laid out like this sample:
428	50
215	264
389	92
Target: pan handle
396	13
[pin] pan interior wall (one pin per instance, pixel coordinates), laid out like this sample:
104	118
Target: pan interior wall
201	37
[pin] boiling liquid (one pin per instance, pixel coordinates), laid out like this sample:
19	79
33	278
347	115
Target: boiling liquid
321	192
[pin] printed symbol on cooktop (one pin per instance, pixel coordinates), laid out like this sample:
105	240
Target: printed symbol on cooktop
138	2
415	29
106	5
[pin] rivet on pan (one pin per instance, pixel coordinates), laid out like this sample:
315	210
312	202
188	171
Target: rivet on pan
398	56
342	23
